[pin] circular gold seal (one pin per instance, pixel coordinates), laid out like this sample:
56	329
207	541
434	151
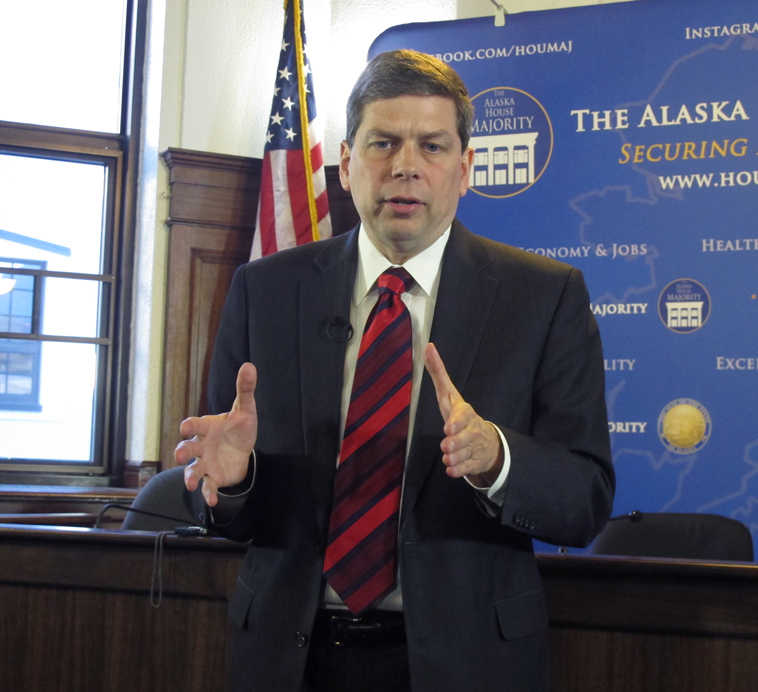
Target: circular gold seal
684	426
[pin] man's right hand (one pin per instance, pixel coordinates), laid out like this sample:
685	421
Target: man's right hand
221	444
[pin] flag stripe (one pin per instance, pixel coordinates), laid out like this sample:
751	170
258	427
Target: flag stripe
282	221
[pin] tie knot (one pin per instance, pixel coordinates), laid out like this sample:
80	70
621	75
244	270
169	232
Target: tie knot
395	279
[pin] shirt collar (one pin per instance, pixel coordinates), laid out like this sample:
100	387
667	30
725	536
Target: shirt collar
423	267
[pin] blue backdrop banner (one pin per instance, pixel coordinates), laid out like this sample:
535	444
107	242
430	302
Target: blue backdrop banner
622	139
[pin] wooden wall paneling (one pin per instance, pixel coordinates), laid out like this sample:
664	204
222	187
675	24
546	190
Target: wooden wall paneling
76	612
108	641
587	660
213	189
211	218
201	264
652	625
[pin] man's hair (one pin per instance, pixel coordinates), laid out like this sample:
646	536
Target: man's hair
408	73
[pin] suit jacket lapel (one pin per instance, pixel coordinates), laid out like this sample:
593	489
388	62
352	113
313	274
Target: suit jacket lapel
456	332
324	302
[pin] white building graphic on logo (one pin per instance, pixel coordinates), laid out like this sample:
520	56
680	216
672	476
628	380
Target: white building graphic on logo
503	159
684	314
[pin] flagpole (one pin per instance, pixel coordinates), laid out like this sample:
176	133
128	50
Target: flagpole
304	120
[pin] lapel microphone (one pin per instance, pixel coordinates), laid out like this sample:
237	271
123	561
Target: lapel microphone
337	329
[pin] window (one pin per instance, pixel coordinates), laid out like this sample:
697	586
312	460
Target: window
479	171
69	123
19	313
501	165
64	63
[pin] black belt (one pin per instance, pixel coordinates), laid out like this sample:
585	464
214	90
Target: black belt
370	629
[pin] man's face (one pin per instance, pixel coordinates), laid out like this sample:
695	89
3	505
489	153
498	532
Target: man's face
406	172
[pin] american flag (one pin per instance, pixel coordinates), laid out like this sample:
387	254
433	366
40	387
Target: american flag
292	207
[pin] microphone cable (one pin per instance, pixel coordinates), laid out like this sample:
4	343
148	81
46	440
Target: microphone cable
184	530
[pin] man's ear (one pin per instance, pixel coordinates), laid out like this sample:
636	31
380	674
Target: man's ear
345	166
467	160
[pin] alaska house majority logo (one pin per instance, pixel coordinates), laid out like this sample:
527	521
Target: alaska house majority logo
512	139
684	305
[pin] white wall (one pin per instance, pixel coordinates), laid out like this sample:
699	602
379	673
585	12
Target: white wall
232	53
210	84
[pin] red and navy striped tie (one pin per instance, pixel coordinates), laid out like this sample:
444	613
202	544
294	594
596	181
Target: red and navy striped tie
361	553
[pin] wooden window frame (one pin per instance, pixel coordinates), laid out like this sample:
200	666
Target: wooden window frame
120	154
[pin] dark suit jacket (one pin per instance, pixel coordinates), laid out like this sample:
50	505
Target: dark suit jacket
520	343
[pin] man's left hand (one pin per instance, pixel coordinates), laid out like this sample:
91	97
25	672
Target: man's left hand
471	446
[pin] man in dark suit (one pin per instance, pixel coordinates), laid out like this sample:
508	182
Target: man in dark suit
507	438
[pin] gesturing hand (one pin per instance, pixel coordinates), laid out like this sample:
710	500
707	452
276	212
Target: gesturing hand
471	446
221	444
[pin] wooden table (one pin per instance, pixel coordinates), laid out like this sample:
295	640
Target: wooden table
76	616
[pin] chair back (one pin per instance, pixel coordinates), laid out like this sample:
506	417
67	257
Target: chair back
166	494
670	534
